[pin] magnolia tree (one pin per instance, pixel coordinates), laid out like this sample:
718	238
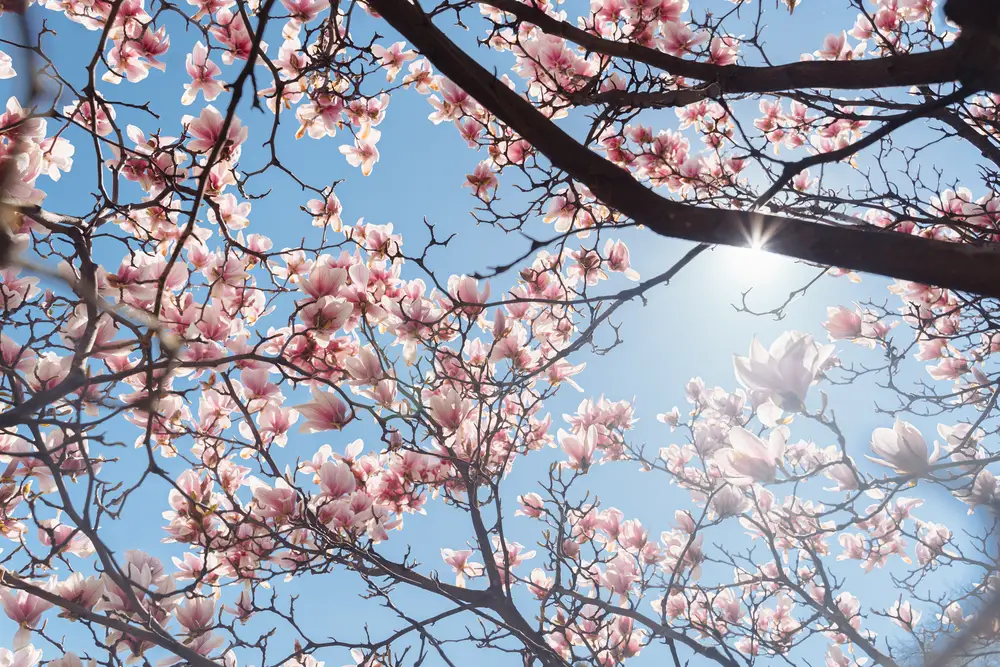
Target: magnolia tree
165	356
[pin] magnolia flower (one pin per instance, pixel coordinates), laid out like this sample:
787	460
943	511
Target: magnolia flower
751	459
449	409
363	153
25	656
786	370
903	449
728	501
904	615
952	615
336	479
842	323
459	560
6	66
24	609
579	448
202	72
326	412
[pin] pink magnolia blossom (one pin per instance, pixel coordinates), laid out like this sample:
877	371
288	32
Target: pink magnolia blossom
449	409
392	58
326	211
363	153
25	655
24	609
482	180
336	479
206	132
202	72
580	448
459	561
326	412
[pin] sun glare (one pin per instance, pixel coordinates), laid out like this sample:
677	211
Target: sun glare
756	261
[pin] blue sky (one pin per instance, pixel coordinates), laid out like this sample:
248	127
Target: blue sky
687	329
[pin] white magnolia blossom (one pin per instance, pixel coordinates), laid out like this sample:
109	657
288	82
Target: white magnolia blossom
751	459
903	449
786	370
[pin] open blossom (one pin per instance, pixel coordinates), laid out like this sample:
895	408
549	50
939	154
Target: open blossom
751	459
202	72
482	180
24	609
22	656
326	212
363	153
579	448
336	479
459	561
449	409
532	505
196	614
835	47
842	323
392	58
903	449
617	261
465	290
786	370
6	66
206	131
326	412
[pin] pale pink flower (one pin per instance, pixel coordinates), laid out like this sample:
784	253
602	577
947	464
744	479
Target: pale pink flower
336	479
196	614
363	153
392	58
465	290
24	609
25	655
459	561
449	409
326	211
326	412
279	502
786	370
532	505
678	39
904	615
540	583
617	256
751	459
842	323
903	449
206	131
580	448
482	180
202	72
6	66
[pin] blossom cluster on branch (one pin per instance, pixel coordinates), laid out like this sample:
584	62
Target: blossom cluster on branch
166	352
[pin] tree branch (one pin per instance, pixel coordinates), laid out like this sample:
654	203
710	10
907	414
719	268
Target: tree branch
954	266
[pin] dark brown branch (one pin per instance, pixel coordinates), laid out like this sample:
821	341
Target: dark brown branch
949	265
928	67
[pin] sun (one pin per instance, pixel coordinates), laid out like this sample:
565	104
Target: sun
755	260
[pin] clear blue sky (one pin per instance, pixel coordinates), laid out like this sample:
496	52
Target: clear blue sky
687	329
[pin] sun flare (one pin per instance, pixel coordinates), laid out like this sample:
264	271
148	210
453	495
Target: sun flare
755	260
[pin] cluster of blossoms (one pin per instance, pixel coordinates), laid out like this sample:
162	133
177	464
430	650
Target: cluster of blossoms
231	359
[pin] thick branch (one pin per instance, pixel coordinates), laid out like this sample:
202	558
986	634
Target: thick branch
949	265
928	67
